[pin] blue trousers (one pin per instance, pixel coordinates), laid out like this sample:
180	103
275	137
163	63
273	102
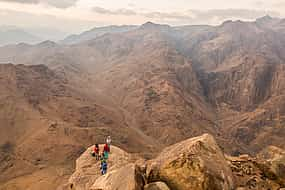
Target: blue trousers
104	171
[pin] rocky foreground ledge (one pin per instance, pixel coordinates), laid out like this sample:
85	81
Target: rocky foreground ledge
194	164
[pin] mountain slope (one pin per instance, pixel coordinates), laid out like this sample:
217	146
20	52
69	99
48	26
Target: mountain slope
182	81
96	32
45	123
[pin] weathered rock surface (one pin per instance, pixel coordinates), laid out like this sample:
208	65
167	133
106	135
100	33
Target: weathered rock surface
156	186
271	153
249	175
197	163
261	173
274	163
88	169
125	178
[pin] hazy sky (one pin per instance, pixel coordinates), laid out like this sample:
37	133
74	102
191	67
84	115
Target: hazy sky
78	15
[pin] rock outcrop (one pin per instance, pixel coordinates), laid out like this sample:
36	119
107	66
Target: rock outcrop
88	169
156	186
273	160
126	178
197	163
266	171
249	173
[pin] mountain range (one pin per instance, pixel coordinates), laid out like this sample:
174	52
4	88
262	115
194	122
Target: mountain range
147	86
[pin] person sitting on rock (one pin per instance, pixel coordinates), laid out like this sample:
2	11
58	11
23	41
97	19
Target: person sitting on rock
96	152
104	167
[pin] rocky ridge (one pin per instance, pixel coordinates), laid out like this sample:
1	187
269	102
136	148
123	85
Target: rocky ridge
197	163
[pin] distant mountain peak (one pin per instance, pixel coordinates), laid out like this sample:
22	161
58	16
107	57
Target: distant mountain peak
23	45
47	43
96	32
227	22
231	23
151	25
265	18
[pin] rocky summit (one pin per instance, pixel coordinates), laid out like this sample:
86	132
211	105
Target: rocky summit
197	163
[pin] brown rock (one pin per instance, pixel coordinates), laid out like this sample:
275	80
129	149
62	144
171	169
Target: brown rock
197	163
273	163
253	173
88	169
156	186
271	153
125	178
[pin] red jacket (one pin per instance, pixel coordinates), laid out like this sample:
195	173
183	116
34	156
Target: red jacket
96	150
106	148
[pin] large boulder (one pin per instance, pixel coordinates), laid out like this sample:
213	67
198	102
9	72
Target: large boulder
196	163
125	178
156	186
273	163
88	168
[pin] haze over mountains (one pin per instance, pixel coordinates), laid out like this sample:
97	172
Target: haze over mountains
96	32
148	86
14	36
31	35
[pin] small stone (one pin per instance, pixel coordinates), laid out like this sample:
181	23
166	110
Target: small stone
156	186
